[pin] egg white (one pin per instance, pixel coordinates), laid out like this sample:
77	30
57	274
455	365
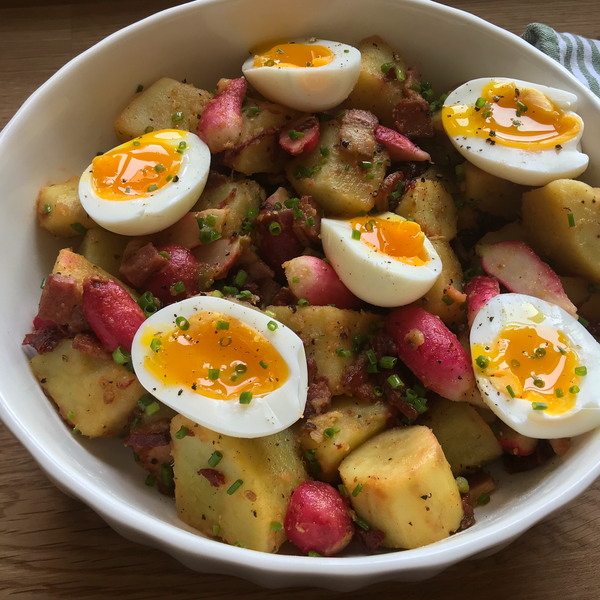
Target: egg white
513	309
525	167
267	413
157	210
373	277
308	89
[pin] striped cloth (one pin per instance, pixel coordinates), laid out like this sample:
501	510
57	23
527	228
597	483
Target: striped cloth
579	55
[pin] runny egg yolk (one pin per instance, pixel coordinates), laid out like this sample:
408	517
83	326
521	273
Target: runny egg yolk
396	238
218	356
533	363
139	167
510	116
294	56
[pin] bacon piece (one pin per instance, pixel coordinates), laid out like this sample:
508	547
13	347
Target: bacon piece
412	117
215	259
59	297
45	340
480	482
284	297
400	148
182	268
142	264
308	128
357	132
383	202
480	290
41	323
111	312
370	539
318	399
221	124
77	321
308	235
89	344
214	477
468	519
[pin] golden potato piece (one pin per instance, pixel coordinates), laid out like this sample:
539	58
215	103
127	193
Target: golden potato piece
156	107
104	248
562	220
60	211
408	490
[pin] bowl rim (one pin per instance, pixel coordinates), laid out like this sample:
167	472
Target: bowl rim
177	541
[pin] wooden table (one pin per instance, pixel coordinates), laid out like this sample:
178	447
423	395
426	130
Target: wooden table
55	547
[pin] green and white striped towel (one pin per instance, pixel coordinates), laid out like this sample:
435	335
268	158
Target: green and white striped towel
579	55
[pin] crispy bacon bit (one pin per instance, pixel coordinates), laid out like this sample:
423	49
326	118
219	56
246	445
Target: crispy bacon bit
284	297
383	201
400	148
318	399
77	321
214	477
468	519
518	464
412	114
479	483
308	128
142	264
45	340
357	132
89	344
59	297
221	122
370	539
308	235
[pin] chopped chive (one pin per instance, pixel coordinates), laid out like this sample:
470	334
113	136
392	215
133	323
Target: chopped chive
47	209
540	352
155	345
521	108
295	135
166	474
43	284
222	325
78	228
240	545
347	167
70	415
153	408
357	490
343	353
182	323
482	362
140	87
159	168
244	294
480	102
235	486
581	371
274	228
253	110
310	221
302	171
182	433
245	397
225	341
152	188
370	176
169	177
292	202
150	480
483	499
574	389
559	393
324	151
303	302
539	406
515	364
343	490
447	300
583	321
127	190
372	358
276	526
314	554
228	289
355	234
373	368
362	524
215	459
121	356
510	391
462	484
179	287
562	350
388	362
295	280
211	220
136	457
178	116
213	374
272	326
216	529
571	219
240	278
136	143
217	294
538	383
149	129
365	164
241	368
263	364
298	214
395	381
341	115
270	313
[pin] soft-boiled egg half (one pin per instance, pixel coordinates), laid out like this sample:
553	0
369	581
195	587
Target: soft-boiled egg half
385	260
225	366
536	366
520	131
306	74
147	184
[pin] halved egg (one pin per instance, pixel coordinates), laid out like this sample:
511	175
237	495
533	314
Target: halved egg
517	130
385	260
536	366
226	366
147	184
306	74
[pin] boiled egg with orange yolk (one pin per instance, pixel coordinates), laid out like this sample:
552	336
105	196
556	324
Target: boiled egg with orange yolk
309	75
147	184
385	260
536	366
228	367
520	131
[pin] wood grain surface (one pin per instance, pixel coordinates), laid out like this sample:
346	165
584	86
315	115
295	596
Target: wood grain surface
55	547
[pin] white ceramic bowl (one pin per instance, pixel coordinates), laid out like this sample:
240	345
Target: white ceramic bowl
69	118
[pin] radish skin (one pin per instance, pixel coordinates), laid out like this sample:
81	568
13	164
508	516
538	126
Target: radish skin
480	290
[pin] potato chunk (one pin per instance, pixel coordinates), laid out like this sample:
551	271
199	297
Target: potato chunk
436	300
104	248
96	395
373	91
408	490
324	329
490	194
466	439
270	469
156	107
546	218
432	207
339	184
58	207
357	422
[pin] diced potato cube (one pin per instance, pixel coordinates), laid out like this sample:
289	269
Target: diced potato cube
408	490
58	208
96	395
270	469
511	232
432	207
156	107
104	248
357	422
324	329
338	183
562	220
466	439
373	91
